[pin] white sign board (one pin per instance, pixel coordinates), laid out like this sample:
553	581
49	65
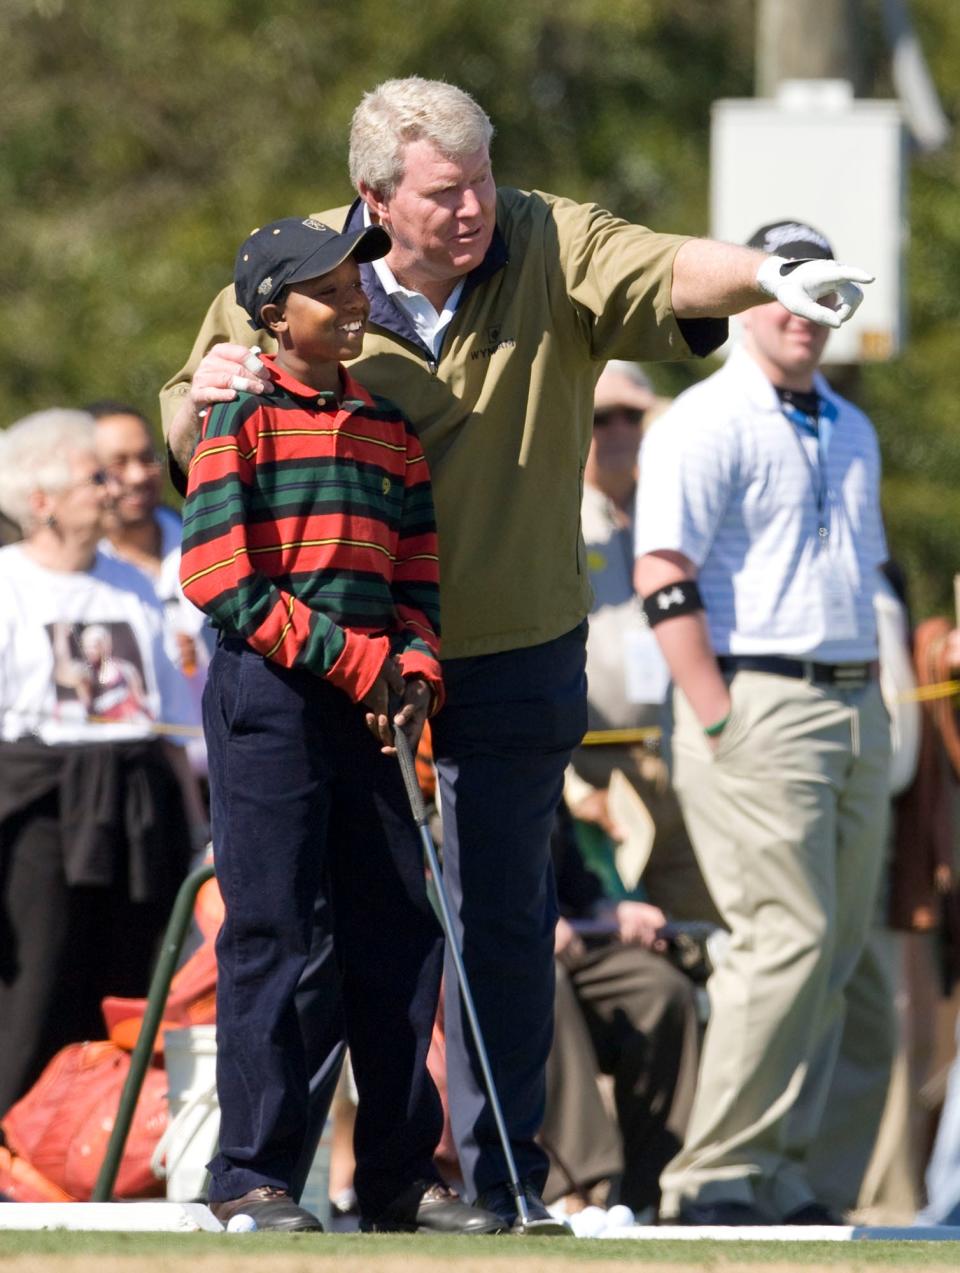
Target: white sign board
816	154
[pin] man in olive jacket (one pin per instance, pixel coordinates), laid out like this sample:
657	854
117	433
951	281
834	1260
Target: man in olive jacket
491	318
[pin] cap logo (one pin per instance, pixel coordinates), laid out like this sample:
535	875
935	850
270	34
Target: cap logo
313	224
791	232
265	286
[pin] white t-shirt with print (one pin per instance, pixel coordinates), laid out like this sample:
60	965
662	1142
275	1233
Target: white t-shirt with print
82	656
180	618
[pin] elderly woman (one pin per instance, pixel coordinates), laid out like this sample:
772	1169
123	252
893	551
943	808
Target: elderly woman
93	840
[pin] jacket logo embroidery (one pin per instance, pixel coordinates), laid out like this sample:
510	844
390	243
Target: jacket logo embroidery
494	343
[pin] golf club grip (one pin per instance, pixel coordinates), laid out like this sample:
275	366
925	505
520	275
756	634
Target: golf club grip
409	772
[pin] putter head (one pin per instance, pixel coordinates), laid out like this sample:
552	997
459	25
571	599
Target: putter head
532	1218
550	1228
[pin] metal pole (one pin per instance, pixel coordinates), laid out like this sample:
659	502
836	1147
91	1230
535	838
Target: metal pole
816	39
156	1001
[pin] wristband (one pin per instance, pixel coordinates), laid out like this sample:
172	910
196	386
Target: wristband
682	597
712	731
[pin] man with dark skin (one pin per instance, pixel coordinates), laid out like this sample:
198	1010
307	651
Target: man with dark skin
140	529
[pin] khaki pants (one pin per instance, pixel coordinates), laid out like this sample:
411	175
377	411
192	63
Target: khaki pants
861	1096
788	820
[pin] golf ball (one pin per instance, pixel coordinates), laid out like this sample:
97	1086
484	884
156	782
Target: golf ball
588	1223
620	1217
241	1224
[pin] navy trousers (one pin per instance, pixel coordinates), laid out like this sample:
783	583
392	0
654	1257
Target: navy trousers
311	827
501	744
321	1024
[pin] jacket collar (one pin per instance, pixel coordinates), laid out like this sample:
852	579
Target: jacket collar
384	313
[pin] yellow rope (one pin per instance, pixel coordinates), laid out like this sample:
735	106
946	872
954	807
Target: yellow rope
593	737
628	737
928	693
154	727
599	737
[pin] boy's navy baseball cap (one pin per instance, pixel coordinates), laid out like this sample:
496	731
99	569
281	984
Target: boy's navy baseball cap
792	239
294	249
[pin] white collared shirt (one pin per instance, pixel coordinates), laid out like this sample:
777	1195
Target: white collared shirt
725	480
429	324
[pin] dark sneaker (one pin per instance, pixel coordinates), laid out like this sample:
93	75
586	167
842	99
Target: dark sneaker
501	1201
812	1213
270	1208
723	1212
430	1207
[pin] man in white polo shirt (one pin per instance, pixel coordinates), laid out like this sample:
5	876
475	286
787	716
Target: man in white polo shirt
758	540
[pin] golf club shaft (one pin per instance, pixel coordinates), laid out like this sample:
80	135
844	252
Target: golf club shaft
415	797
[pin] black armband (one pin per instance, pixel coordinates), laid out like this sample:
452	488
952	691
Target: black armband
682	597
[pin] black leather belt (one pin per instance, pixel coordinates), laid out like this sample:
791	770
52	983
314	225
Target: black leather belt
839	674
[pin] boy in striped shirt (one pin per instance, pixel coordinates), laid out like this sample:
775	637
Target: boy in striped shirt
309	539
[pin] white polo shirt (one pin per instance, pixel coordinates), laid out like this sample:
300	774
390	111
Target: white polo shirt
727	480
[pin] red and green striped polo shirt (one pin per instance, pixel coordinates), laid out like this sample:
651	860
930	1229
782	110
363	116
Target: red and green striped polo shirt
309	531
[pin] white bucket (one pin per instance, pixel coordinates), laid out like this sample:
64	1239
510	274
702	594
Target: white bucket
190	1141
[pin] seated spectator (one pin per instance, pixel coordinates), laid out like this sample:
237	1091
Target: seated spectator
626	675
93	838
622	1009
943	1170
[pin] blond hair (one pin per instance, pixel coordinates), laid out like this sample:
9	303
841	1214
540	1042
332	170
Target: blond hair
35	455
397	112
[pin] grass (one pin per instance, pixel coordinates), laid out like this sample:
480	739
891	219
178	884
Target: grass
349	1253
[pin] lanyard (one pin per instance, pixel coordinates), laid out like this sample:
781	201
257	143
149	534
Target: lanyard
821	428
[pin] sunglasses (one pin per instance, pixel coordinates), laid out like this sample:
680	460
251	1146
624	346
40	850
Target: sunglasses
99	477
148	460
629	415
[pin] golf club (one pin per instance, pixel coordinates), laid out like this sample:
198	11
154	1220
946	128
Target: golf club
444	914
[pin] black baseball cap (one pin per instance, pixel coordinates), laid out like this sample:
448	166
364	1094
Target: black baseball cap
294	249
792	239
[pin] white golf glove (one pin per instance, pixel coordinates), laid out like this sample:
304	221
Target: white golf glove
798	286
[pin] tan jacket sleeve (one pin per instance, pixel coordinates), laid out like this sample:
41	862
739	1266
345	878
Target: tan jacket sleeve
620	276
224	321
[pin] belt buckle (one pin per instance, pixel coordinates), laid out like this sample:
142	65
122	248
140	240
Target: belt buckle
849	676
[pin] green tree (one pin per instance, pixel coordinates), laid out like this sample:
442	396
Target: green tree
140	143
